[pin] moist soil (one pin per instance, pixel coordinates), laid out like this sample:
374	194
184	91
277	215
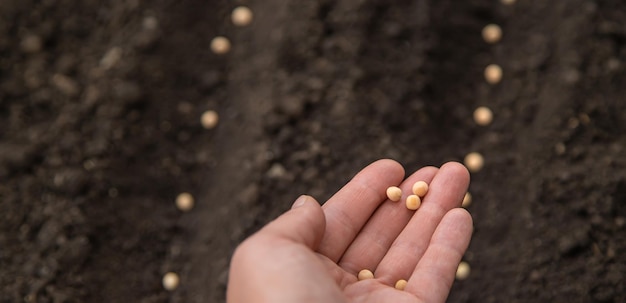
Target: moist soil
100	105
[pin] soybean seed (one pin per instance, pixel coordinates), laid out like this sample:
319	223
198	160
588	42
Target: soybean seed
493	74
467	200
474	162
184	201
401	284
220	45
170	281
420	188
492	33
241	16
463	271
365	274
413	202
483	116
209	119
394	193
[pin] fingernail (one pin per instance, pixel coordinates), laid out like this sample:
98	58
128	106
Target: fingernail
299	202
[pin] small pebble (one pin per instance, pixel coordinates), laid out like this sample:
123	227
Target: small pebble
31	44
474	162
220	45
463	271
413	202
493	74
150	23
492	33
365	274
111	58
467	200
401	284
241	16
483	116
170	281
394	193
185	202
209	119
420	188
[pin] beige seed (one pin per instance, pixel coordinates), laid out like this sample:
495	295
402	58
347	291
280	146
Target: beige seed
420	188
492	33
474	162
209	119
220	45
483	116
184	202
170	281
241	16
365	274
493	74
394	193
413	202
463	271
467	200
508	2
401	284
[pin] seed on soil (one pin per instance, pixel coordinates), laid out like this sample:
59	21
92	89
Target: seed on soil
467	200
420	188
401	284
209	119
474	162
394	193
492	33
413	202
365	274
170	281
483	116
241	16
463	271
220	45
184	202
493	74
508	2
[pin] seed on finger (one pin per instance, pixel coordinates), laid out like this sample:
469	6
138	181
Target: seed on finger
401	284
365	274
474	162
463	271
420	188
413	202
467	200
394	193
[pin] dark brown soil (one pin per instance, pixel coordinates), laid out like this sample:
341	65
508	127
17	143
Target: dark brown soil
100	130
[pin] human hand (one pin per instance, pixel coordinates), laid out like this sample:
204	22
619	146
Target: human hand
313	253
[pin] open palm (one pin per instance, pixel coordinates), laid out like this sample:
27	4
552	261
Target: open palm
313	253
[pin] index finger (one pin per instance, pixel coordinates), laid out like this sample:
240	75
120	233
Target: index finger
351	207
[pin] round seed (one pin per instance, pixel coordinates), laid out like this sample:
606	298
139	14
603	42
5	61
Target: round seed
394	193
467	200
483	116
209	119
420	188
365	274
413	202
401	284
463	271
184	201
170	281
241	16
493	74
220	45
492	33
474	162
508	2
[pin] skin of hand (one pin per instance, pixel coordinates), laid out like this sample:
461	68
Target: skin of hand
313	253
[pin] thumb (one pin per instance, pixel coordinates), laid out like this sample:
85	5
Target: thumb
304	223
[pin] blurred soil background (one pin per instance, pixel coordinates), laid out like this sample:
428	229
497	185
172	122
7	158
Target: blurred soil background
100	105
